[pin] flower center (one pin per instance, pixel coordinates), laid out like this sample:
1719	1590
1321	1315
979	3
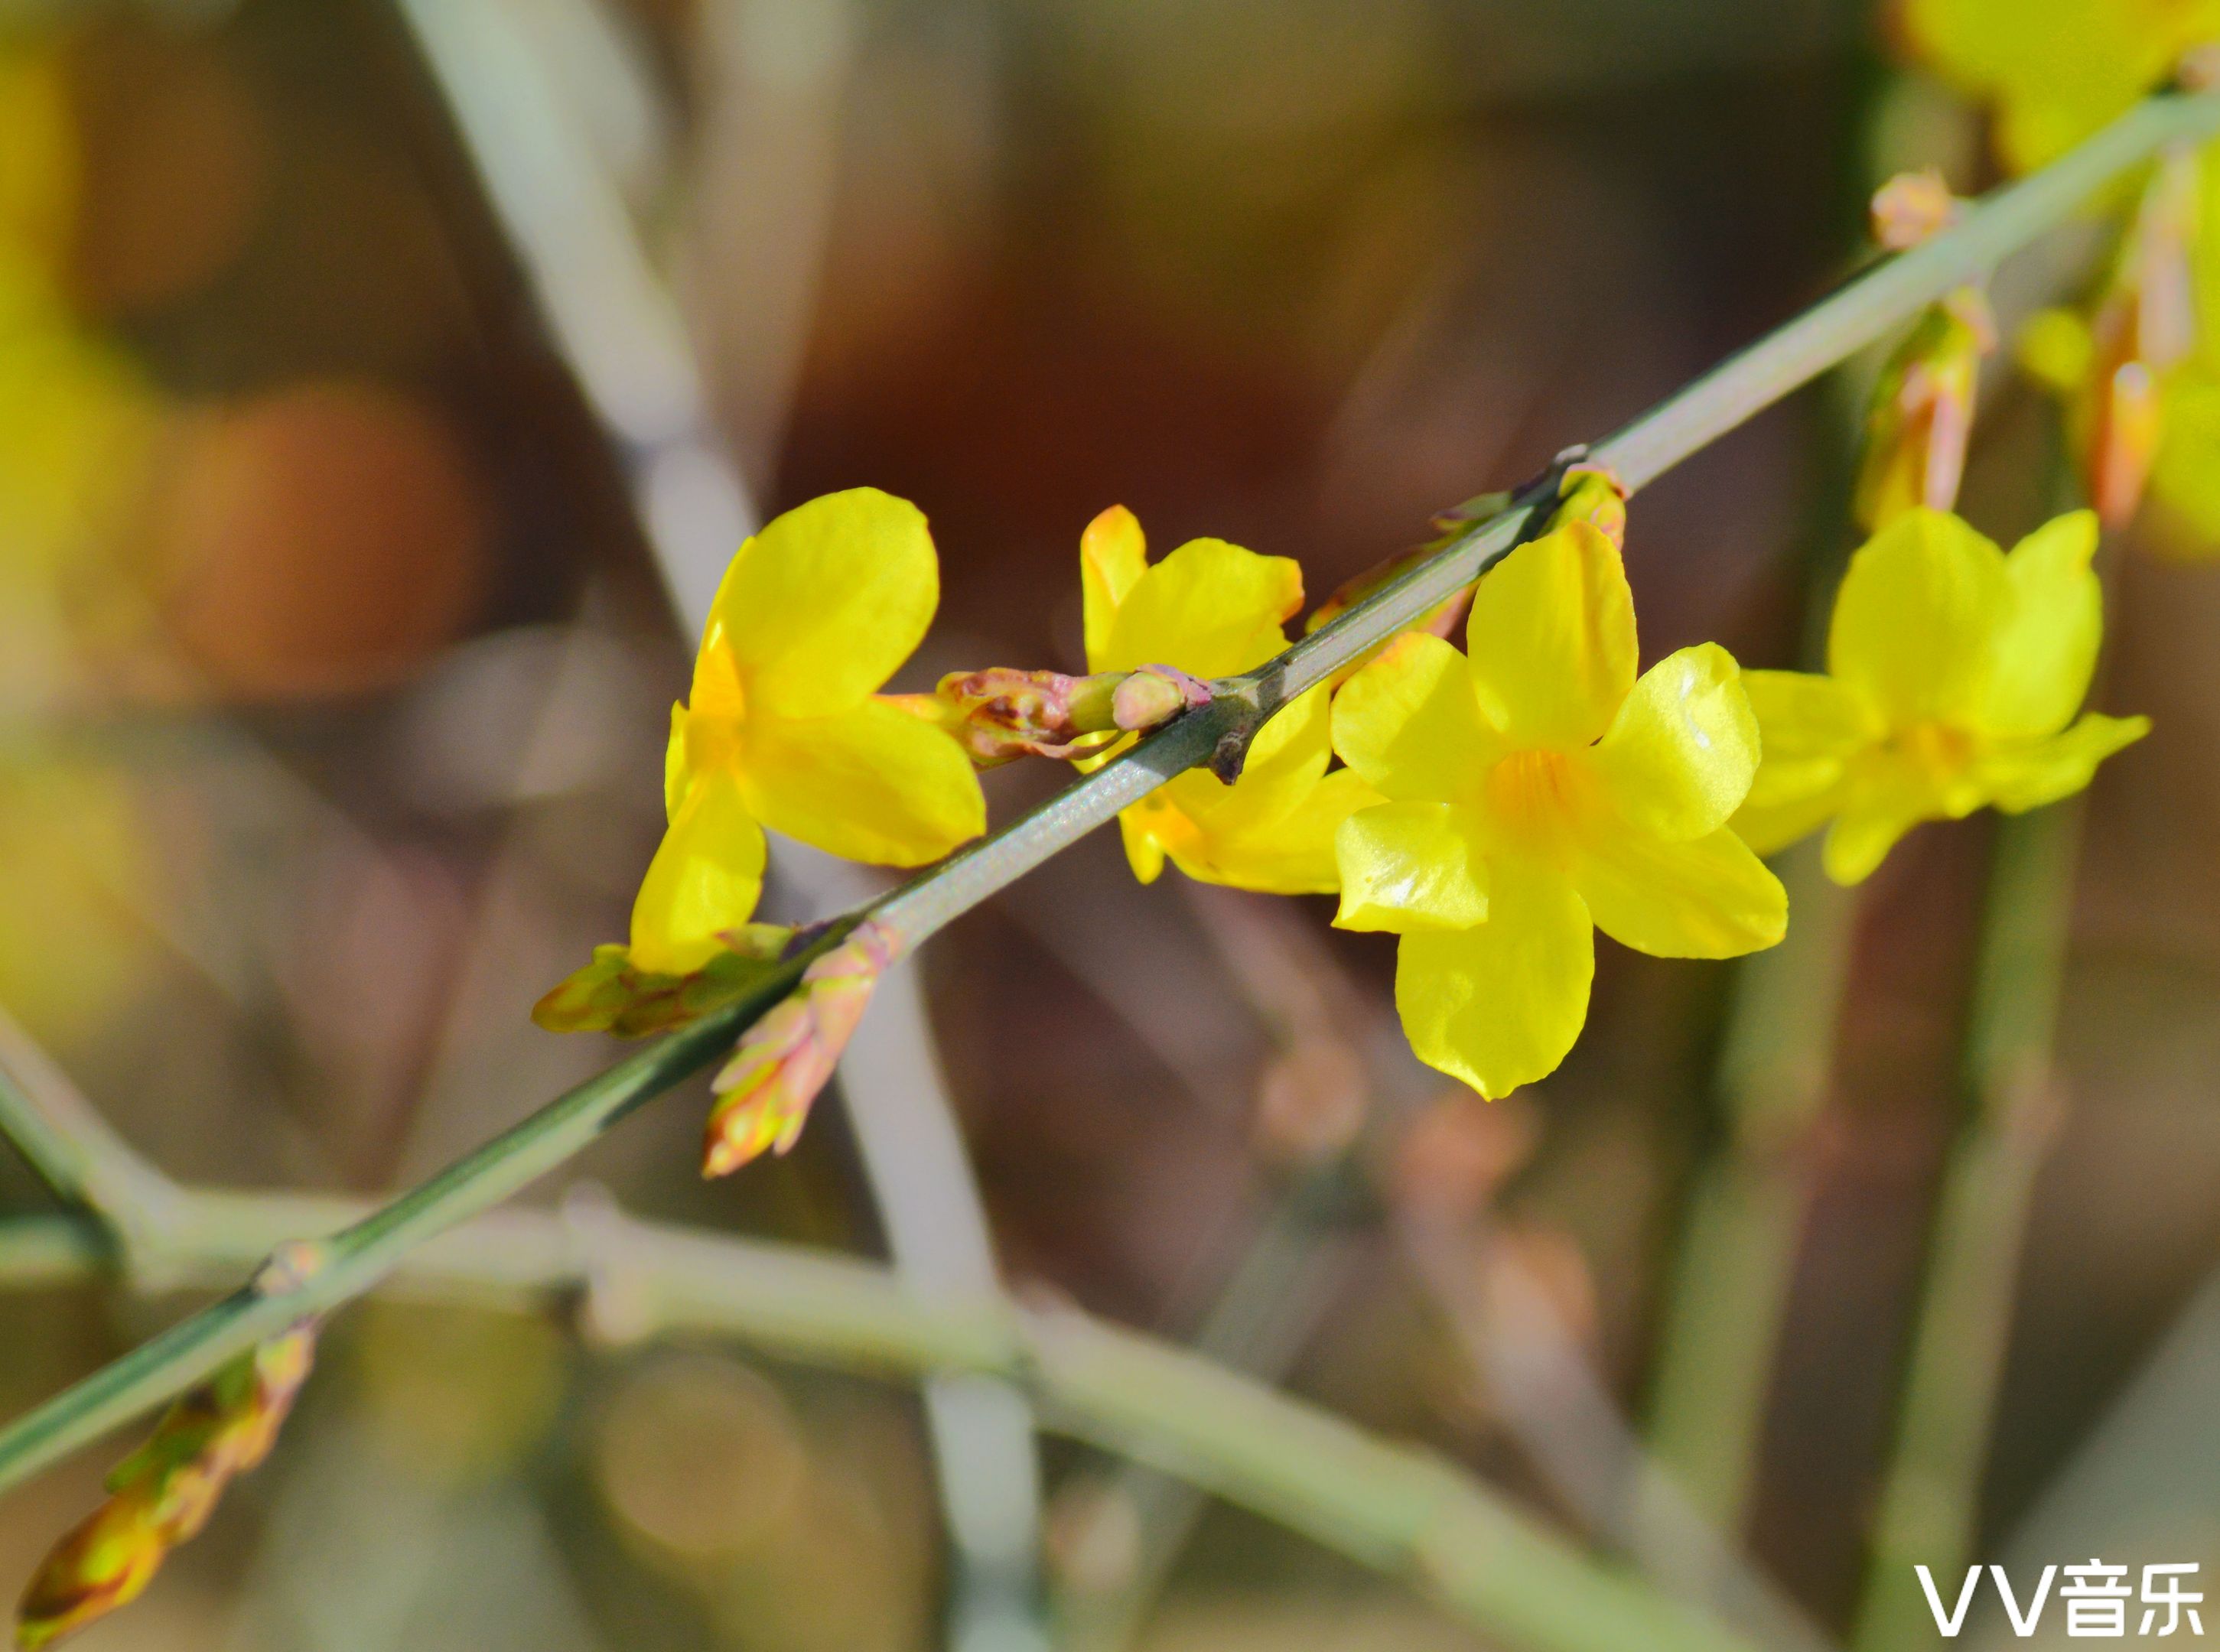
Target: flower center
1529	797
1937	750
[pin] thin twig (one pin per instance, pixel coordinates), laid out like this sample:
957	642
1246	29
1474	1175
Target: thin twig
624	339
74	1151
1729	1289
1733	392
1402	1511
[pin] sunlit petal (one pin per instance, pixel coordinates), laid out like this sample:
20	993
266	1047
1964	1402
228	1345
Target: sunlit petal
1411	866
1498	1005
823	604
1409	722
1211	609
1679	757
1113	556
872	784
1708	897
1551	638
705	878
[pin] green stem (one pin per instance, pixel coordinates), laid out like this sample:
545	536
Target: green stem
1683	424
1930	1500
1402	1511
73	1149
1730	1282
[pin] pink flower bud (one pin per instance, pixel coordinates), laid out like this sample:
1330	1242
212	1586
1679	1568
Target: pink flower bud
164	1493
1921	418
1155	695
1910	207
764	1091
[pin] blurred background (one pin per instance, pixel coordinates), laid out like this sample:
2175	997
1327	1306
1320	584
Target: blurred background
381	385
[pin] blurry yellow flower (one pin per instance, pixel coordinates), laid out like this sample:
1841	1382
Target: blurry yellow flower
1953	673
782	729
2055	70
1536	792
1215	610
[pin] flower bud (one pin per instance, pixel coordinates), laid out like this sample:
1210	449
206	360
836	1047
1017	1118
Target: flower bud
1910	207
781	1063
1154	695
1441	620
1002	713
1921	418
610	995
2145	326
163	1494
1591	494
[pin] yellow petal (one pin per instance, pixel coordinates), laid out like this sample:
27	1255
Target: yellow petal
705	879
1272	830
1808	724
2056	350
2186	480
1916	622
1411	724
676	778
1406	867
1113	556
1708	897
1551	638
872	784
1211	609
2047	647
1882	800
1292	855
1285	761
822	606
1678	758
2057	70
2023	777
1770	826
1143	852
1498	1005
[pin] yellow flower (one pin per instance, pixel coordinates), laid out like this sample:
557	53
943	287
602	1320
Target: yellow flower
1536	792
1215	610
1953	673
2055	70
783	730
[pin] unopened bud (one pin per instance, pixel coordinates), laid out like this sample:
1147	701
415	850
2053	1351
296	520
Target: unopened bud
1440	621
1002	713
611	995
164	1493
2127	422
1921	419
1593	495
1910	208
2145	326
764	1092
2198	71
1153	695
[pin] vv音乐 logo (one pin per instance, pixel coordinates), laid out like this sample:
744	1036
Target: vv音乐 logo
2099	1601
